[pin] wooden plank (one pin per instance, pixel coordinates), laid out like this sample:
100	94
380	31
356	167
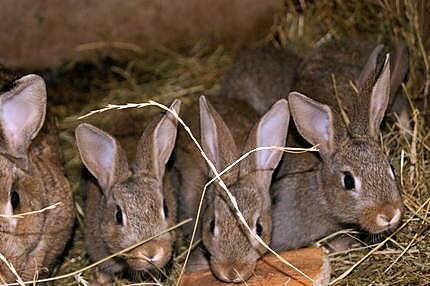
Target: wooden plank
271	271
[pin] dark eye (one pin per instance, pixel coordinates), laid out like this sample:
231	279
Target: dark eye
118	215
212	226
14	199
259	228
348	181
165	209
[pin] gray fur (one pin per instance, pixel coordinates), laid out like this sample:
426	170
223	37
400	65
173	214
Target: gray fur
225	136
30	166
142	190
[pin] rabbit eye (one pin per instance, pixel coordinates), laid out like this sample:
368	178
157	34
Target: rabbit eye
259	228
212	226
118	215
14	199
348	181
165	209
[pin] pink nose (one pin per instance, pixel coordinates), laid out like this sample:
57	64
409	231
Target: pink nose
388	219
148	256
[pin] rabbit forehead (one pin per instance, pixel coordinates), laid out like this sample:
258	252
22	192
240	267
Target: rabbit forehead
137	193
361	154
248	198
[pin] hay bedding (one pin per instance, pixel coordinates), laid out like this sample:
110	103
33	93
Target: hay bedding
162	75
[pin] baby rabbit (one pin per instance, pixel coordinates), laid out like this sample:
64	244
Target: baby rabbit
224	137
263	75
351	182
32	179
255	73
131	202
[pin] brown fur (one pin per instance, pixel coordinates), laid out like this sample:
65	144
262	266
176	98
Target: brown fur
255	73
233	252
143	191
310	199
33	243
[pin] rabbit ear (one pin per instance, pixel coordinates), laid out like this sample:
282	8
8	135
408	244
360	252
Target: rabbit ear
314	121
370	66
217	140
102	155
399	67
157	142
271	130
379	98
22	114
398	102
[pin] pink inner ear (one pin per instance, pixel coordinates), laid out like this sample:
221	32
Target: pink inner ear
268	137
99	152
209	134
272	132
20	118
321	123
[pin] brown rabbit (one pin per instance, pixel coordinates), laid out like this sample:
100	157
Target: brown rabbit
263	75
256	72
132	202
225	136
32	179
351	182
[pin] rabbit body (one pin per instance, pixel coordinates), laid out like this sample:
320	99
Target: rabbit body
130	203
32	179
350	180
225	136
261	76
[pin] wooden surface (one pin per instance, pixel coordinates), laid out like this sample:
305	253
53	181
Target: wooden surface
271	271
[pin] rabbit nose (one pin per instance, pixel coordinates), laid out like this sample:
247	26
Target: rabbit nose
147	257
388	219
153	255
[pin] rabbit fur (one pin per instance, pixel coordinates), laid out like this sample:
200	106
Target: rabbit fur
226	135
350	181
132	202
32	179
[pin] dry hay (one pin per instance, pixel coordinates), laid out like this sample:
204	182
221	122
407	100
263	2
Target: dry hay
404	258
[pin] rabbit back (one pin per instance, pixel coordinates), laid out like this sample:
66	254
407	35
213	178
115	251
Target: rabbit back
261	76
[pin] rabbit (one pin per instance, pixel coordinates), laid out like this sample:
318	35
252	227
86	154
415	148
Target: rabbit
131	202
254	74
350	180
263	75
224	136
32	179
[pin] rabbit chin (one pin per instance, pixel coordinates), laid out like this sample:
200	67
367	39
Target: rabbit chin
232	272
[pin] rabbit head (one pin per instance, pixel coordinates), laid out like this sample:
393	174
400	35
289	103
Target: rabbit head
135	204
23	108
357	183
233	251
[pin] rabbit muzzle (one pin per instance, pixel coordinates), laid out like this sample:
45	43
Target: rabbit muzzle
232	272
151	255
382	217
